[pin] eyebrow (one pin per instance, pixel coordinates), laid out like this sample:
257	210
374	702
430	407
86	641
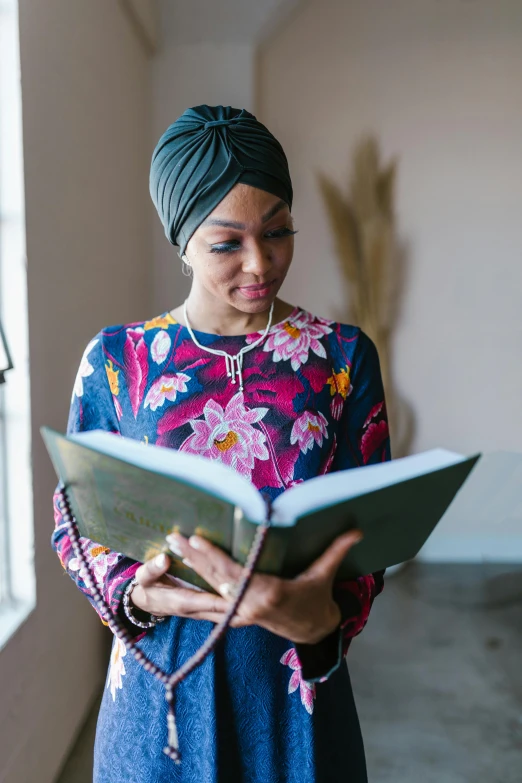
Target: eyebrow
233	224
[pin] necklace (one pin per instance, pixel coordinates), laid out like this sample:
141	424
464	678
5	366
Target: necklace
233	364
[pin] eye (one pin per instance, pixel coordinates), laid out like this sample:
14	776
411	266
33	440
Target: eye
280	232
235	244
225	247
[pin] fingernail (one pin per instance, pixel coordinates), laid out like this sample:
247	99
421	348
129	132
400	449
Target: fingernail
187	562
358	537
173	545
195	542
161	561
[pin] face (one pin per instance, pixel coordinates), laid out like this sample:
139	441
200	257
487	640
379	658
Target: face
241	253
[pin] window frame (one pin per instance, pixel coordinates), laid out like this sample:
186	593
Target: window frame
17	575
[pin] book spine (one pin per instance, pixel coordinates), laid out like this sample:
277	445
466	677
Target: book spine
274	547
240	526
269	508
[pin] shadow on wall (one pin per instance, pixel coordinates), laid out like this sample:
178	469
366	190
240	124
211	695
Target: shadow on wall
374	263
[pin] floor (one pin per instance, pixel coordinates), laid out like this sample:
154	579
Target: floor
437	675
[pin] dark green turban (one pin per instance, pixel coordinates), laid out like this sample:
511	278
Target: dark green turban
201	156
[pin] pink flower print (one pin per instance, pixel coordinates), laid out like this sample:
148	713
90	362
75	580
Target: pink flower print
373	414
294	483
373	438
307	689
364	590
85	369
375	431
166	387
160	346
293	339
336	406
135	357
330	458
117	407
228	435
117	667
99	559
308	429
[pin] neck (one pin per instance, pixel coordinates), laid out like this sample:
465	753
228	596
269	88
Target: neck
218	317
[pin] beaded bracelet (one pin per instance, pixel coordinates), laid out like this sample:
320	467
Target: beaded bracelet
127	608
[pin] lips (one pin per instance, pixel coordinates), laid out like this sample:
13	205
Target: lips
256	287
257	291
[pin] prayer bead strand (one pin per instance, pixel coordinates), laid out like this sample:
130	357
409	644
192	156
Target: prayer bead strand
118	629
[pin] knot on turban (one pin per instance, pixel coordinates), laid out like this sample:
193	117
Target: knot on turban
217	123
201	156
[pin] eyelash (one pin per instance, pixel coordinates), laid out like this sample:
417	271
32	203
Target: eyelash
230	247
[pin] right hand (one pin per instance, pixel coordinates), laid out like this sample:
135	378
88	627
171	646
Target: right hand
157	593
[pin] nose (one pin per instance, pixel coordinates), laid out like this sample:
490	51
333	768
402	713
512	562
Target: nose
257	261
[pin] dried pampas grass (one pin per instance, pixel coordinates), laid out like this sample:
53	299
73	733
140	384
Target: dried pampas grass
371	261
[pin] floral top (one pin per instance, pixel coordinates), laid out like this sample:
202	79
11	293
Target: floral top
312	403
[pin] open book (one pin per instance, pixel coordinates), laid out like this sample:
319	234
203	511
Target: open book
128	496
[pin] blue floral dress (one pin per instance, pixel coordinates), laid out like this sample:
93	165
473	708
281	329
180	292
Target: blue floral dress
260	709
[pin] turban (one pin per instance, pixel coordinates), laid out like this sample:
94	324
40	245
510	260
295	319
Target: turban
201	156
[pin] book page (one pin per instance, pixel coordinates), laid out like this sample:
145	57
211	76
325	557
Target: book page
209	475
342	485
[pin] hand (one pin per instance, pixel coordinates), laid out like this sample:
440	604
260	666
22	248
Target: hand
157	593
301	609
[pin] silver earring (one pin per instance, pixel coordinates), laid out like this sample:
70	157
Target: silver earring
186	268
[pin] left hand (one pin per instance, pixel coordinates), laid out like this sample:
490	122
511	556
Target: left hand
301	609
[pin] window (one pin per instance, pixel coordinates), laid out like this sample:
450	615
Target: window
16	524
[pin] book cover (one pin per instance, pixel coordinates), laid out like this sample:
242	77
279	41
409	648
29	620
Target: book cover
130	508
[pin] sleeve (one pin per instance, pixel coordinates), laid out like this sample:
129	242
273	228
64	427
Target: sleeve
363	440
92	407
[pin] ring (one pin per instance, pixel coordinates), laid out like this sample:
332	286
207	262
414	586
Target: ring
228	590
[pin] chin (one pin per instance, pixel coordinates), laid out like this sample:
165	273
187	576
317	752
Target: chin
257	306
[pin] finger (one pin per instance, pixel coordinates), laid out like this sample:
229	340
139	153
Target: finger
213	617
187	603
165	598
152	570
327	565
210	562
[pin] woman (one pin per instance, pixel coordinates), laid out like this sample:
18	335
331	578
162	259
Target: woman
295	396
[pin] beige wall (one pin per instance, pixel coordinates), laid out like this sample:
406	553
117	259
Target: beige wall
85	82
440	84
196	63
206	55
183	76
